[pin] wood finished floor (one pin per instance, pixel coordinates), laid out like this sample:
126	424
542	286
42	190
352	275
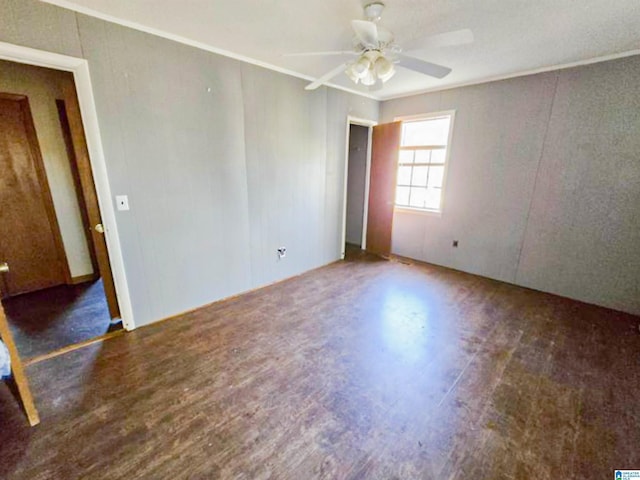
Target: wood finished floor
364	369
47	320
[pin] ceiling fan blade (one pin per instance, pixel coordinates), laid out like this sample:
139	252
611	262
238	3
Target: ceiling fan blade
450	39
326	77
428	68
367	32
319	54
447	39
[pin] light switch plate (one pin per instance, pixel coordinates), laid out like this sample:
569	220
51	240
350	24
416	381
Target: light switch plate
122	202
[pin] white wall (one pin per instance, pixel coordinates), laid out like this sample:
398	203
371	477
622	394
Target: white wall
543	187
356	180
43	87
223	162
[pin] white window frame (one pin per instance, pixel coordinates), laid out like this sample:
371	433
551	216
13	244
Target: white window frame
429	116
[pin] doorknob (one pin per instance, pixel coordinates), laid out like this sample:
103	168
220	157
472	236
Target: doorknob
99	228
4	267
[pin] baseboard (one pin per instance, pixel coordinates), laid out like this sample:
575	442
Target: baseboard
83	278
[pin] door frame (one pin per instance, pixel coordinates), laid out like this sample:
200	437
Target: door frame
67	136
362	122
79	67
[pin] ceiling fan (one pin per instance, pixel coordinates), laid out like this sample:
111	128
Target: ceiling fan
377	53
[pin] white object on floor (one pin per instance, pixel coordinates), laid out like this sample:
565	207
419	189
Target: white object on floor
5	361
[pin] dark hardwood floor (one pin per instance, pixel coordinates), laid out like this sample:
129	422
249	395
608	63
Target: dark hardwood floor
365	369
47	320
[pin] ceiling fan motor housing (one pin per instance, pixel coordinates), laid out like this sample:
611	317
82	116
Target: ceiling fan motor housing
373	11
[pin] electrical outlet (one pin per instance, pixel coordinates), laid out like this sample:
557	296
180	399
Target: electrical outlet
282	252
455	243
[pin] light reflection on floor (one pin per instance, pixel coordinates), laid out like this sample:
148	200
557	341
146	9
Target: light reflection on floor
405	324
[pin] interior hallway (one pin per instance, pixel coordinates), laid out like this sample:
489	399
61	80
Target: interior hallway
49	319
364	369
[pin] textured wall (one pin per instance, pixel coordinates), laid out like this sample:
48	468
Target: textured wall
43	87
543	187
583	234
496	146
223	162
356	180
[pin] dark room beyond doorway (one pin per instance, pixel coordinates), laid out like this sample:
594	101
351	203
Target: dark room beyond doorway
356	184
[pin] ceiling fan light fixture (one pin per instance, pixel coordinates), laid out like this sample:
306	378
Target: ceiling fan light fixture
373	11
384	69
372	42
369	79
362	67
351	74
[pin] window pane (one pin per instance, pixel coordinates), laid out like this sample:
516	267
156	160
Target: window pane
422	156
438	156
418	196
426	132
432	198
435	176
406	156
404	175
402	195
419	178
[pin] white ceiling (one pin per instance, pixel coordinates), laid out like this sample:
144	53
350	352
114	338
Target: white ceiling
511	36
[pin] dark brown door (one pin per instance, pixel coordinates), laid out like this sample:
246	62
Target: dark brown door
89	197
382	186
30	241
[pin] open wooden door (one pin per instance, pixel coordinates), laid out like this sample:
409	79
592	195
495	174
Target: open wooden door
30	239
382	186
89	195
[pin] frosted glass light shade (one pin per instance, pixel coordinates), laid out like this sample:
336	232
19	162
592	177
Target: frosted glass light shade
384	69
361	67
351	74
369	79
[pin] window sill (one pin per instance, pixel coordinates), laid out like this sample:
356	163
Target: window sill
418	211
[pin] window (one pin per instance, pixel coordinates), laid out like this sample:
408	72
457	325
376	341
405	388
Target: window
422	162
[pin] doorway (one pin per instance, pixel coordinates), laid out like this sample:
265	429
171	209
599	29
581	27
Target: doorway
58	289
357	170
356	181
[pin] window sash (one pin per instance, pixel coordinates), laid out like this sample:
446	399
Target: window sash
425	161
424	147
417	186
435	164
400	183
414	188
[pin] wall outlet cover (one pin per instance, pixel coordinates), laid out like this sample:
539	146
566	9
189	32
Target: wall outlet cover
122	202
